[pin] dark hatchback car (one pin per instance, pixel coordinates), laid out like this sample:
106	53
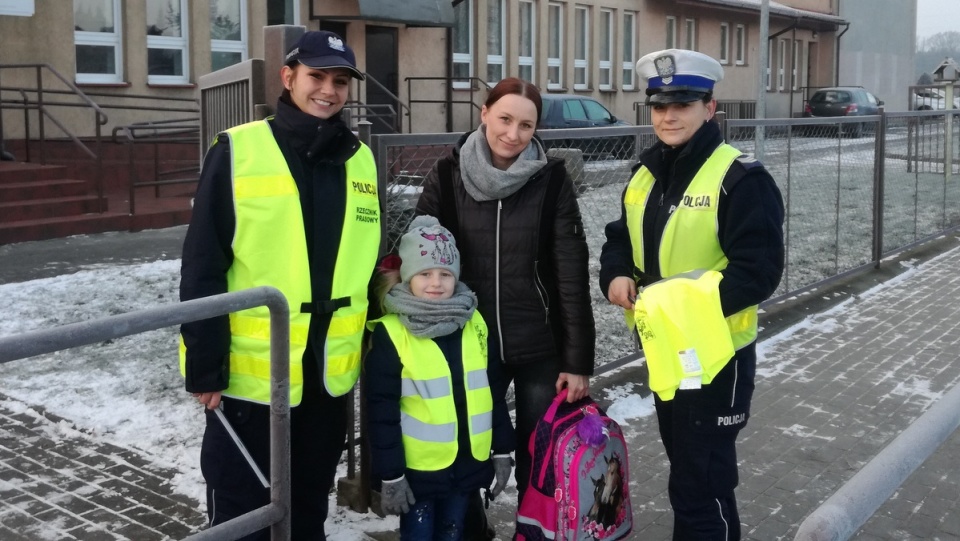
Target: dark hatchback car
572	111
843	101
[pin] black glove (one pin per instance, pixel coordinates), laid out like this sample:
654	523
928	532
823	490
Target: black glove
502	466
396	496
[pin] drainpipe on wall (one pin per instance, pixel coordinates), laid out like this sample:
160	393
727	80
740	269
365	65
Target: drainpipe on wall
449	73
836	69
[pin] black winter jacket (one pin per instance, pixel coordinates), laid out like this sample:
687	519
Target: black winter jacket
315	150
534	293
381	368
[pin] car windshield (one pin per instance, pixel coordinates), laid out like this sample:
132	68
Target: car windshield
573	110
831	96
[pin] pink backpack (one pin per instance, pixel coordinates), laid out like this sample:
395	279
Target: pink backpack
579	480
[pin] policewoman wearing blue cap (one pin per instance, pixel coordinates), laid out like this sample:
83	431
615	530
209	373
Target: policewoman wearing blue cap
289	202
699	244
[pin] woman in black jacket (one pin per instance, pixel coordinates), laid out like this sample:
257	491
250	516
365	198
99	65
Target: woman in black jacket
515	216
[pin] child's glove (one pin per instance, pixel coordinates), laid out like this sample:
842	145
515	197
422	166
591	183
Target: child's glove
396	496
502	466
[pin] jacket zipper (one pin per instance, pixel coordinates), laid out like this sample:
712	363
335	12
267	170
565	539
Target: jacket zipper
503	357
541	291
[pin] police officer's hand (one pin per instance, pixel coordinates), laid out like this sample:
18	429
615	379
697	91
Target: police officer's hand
502	466
622	292
396	496
210	400
577	386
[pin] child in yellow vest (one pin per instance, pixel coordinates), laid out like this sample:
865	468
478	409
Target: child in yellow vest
436	435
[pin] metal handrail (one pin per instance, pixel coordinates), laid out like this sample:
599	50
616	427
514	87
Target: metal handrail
396	99
473	83
276	514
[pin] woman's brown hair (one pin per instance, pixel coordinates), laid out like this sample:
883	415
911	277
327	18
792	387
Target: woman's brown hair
513	85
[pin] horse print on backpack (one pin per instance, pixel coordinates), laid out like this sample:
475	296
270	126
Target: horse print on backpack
579	483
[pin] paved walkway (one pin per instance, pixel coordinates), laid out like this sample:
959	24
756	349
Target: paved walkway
844	372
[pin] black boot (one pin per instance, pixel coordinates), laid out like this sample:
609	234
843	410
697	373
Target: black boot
476	527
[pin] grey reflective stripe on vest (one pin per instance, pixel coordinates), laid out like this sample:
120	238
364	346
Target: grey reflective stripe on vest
422	431
481	422
426	388
477	379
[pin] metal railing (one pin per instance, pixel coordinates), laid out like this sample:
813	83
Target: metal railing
274	515
473	88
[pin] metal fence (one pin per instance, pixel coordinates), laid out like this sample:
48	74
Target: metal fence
275	515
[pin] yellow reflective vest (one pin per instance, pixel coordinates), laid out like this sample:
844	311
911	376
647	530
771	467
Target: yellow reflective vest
690	242
428	414
269	248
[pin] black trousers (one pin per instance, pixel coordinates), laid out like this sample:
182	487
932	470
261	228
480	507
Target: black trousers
699	430
318	428
534	387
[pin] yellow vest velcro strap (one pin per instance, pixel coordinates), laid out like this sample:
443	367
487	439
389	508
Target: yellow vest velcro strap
263	186
259	328
481	422
477	379
439	433
427	388
324	307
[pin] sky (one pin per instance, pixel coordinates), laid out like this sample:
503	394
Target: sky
935	16
138	375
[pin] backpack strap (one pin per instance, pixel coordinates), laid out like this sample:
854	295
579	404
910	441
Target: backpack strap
449	217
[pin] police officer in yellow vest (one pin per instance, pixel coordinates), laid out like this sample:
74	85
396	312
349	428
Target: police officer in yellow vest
698	246
289	202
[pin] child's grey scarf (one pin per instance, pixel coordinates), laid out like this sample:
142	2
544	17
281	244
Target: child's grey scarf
430	318
483	181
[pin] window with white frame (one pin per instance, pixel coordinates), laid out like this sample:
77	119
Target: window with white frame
691	36
495	41
781	74
741	45
606	50
228	33
797	66
167	54
629	50
581	48
462	44
528	32
724	43
554	46
671	32
17	8
768	79
97	41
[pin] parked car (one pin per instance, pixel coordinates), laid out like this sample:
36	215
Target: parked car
573	111
932	99
843	101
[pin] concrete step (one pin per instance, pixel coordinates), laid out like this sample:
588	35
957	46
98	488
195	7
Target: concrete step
54	207
52	228
13	172
42	189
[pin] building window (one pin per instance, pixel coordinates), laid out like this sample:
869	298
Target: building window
671	32
606	50
97	42
783	62
724	43
463	44
228	33
581	48
768	79
283	12
797	58
691	34
167	53
741	45
17	8
629	50
495	41
528	32
555	46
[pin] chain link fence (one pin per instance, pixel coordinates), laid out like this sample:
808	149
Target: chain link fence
845	206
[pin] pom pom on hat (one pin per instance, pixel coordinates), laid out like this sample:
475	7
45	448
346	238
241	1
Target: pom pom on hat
428	245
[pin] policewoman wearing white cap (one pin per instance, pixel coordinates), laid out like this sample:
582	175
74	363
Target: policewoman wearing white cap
699	244
289	202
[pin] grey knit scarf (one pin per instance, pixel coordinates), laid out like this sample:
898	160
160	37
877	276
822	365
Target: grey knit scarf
483	181
430	318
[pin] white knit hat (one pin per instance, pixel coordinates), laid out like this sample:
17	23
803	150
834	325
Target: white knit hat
428	245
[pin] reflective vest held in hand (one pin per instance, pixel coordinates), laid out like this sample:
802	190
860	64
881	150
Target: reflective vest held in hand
690	242
270	249
428	414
